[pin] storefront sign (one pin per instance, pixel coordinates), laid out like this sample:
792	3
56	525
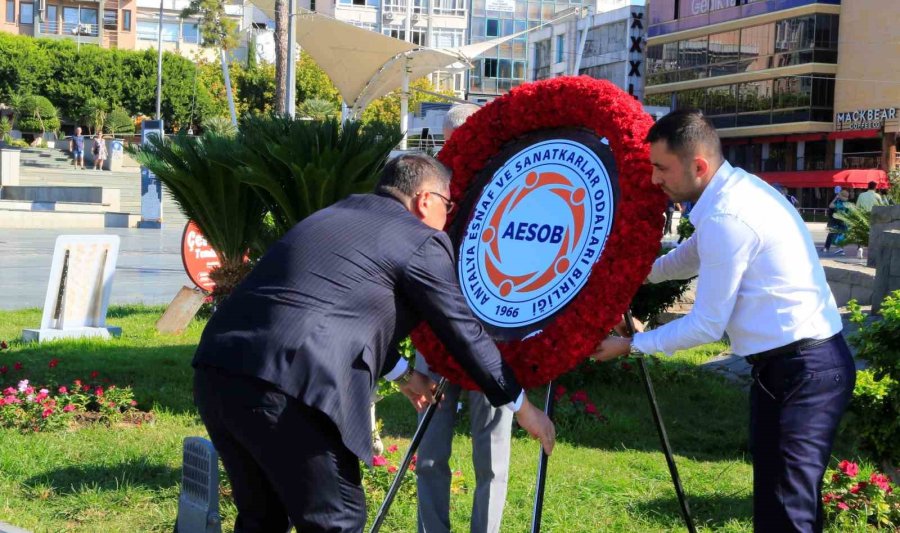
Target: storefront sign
864	119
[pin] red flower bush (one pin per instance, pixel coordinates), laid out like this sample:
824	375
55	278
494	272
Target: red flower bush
607	111
850	502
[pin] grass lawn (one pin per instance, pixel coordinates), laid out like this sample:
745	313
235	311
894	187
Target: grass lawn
603	476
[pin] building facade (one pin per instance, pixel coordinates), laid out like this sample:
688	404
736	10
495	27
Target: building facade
796	87
614	34
433	23
125	24
506	66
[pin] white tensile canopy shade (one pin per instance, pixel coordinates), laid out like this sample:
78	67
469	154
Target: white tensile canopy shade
365	65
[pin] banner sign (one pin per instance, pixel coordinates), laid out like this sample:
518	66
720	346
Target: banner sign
198	257
537	222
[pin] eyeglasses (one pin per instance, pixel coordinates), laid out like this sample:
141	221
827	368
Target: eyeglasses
448	203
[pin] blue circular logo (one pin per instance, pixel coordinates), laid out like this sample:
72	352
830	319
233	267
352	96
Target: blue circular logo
535	231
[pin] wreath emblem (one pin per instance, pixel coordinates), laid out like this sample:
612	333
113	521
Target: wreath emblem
552	245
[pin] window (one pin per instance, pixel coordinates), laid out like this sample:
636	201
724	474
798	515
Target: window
518	70
88	16
614	72
490	68
447	38
170	31
147	29
190	32
126	20
110	19
26	13
607	39
10	10
560	48
492	29
52	16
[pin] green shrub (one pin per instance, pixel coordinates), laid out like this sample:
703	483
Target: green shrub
5	127
876	398
857	221
36	114
119	121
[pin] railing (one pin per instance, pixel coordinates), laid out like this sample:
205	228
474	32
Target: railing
856	160
862	160
814	214
71	29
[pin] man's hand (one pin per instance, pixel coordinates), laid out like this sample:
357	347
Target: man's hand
537	424
419	390
622	330
612	347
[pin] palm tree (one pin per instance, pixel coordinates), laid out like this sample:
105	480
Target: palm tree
201	175
299	167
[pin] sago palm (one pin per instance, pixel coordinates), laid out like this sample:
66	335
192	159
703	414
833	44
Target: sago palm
299	167
857	221
200	174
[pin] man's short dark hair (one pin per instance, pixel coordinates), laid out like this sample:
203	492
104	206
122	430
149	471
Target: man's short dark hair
684	131
407	174
872	185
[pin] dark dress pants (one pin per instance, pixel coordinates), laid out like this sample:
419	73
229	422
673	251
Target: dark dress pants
796	403
286	461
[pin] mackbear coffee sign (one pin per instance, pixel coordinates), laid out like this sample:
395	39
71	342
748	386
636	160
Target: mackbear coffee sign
864	119
536	229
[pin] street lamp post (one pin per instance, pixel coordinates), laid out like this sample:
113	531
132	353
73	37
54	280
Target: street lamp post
159	63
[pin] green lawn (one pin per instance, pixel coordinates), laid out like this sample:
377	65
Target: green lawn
603	476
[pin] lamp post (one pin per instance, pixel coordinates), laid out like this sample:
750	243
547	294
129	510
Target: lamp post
159	62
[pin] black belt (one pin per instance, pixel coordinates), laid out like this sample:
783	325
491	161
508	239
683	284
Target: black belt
787	349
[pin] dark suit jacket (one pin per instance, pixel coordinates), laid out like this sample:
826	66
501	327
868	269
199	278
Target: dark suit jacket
321	314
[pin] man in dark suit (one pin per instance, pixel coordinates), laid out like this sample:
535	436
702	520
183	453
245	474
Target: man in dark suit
286	366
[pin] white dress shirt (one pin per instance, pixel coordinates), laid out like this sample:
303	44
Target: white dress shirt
759	277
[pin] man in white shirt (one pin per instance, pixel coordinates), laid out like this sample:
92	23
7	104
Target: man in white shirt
759	280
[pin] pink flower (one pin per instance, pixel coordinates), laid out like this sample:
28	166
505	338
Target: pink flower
85	388
392	469
415	458
46	413
829	497
379	460
9	390
53	362
858	487
133	403
579	396
843	506
393	448
17	366
883	482
99	392
412	468
94	374
848	468
63	390
590	409
458	473
69	408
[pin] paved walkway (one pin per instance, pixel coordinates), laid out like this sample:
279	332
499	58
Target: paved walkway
149	268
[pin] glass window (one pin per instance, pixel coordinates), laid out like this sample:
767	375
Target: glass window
826	32
822	91
190	32
518	70
147	29
755	96
110	19
490	68
662	99
560	48
88	16
757	46
724	47
693	53
691	99
10	10
170	32
52	18
505	68
70	19
794	34
792	92
26	13
721	100
614	72
126	20
492	28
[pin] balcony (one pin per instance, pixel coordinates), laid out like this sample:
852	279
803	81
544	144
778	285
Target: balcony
863	160
70	29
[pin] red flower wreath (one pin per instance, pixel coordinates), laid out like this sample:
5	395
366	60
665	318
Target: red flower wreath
603	108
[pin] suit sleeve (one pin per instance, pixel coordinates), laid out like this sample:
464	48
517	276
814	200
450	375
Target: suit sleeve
430	284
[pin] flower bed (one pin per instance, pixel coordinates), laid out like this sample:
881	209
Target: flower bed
852	498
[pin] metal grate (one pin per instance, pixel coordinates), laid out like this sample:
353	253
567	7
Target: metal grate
198	503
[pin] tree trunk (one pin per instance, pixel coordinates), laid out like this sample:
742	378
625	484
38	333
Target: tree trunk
281	55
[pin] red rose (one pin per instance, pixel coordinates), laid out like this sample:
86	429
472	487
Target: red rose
379	460
848	468
63	390
53	363
17	366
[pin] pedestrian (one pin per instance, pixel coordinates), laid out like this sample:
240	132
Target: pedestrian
99	151
490	427
286	366
76	147
837	228
759	280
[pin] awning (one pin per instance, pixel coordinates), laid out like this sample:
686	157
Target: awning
854	134
365	65
853	178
